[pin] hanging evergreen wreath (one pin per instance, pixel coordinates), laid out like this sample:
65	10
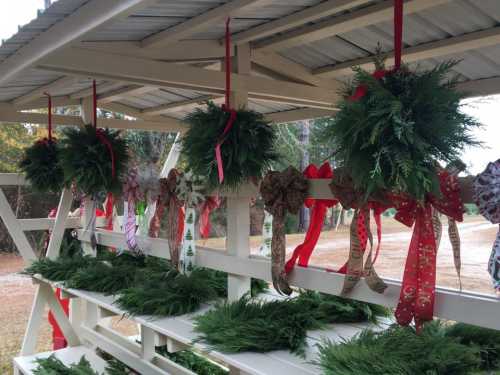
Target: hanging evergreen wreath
94	159
394	127
41	166
247	150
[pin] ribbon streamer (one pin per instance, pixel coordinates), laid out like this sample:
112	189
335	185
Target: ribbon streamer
208	205
49	112
398	32
227	106
319	207
132	195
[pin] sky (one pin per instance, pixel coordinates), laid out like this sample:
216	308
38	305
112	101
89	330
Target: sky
20	12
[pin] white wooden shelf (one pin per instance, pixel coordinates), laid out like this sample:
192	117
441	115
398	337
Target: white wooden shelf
180	330
25	365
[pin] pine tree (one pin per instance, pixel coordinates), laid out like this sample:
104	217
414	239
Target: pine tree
190	219
189	236
190	252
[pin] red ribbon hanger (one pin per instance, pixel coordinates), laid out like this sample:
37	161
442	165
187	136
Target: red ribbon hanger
49	112
303	252
227	105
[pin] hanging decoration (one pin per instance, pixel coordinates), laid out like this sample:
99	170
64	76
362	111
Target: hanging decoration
175	215
132	195
318	207
392	130
41	161
149	184
487	198
244	141
189	191
94	159
208	205
282	192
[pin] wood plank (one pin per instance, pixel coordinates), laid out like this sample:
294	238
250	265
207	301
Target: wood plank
183	104
12	179
195	24
46	223
293	115
39	92
342	24
57	233
163	74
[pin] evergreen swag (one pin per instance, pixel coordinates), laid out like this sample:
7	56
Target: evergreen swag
258	326
247	151
54	366
86	159
393	128
41	166
445	350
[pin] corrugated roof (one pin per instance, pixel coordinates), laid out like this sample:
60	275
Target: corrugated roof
455	18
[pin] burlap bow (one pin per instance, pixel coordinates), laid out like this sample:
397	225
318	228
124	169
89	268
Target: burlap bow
282	192
168	197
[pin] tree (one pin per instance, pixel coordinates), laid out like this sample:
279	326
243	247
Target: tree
304	131
14	138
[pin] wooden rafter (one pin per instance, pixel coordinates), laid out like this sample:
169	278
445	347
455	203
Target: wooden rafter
38	92
342	24
162	74
324	9
103	87
184	104
445	47
195	24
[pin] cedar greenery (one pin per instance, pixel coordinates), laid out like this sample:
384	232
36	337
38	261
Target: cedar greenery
399	351
259	326
53	366
41	166
194	362
86	160
247	151
393	137
60	269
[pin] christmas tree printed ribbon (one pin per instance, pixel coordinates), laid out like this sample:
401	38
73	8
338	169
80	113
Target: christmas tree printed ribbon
267	235
188	252
494	263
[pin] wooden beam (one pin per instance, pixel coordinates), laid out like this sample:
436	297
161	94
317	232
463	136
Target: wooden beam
195	24
480	87
288	69
186	50
123	92
445	47
57	101
163	124
103	87
38	92
89	16
298	115
338	25
161	74
324	9
184	104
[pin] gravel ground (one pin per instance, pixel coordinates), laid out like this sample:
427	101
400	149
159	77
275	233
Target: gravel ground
17	291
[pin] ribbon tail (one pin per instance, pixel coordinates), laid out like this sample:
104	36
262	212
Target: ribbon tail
372	279
454	236
154	226
130	225
354	267
220	166
278	253
437	227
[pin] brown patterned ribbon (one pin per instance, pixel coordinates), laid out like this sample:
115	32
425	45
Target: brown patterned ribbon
282	192
168	198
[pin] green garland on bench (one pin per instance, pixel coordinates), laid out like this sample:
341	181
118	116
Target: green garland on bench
439	349
258	326
53	366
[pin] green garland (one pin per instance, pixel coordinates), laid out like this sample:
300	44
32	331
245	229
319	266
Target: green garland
41	166
257	326
86	160
400	351
194	362
392	138
53	366
60	269
247	151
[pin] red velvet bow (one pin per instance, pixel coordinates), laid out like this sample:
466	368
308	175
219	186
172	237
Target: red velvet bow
319	207
362	90
416	301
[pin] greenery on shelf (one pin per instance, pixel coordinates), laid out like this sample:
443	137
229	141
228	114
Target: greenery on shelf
53	366
86	160
393	127
259	326
194	362
41	165
454	350
60	269
247	151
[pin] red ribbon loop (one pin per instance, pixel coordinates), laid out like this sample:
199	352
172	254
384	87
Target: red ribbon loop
303	252
207	206
49	111
398	32
416	301
105	141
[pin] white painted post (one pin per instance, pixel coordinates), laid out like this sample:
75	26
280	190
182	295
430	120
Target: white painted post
173	157
57	232
14	229
238	208
147	343
35	319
